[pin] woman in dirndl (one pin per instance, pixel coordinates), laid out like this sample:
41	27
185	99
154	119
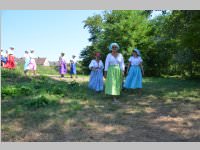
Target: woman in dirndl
10	64
114	71
3	58
135	72
27	62
63	65
96	76
32	64
73	63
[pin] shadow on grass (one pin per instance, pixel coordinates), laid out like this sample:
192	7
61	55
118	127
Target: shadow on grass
79	114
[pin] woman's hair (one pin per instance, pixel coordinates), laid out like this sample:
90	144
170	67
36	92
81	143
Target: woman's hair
62	54
136	51
96	54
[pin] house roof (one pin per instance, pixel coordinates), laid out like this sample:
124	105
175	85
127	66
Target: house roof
39	61
19	60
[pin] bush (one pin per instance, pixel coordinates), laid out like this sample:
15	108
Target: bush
40	102
73	85
8	91
24	90
58	90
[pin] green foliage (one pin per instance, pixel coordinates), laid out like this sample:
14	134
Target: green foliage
39	102
25	90
8	91
168	43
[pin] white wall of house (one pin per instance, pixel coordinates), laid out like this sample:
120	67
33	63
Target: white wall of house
46	63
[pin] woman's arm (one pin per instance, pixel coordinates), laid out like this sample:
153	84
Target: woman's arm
91	65
141	66
101	65
106	66
128	67
122	66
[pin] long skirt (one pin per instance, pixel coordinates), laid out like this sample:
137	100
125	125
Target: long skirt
134	78
32	64
113	83
96	80
73	69
63	68
10	64
26	65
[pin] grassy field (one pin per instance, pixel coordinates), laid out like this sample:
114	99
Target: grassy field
46	70
47	108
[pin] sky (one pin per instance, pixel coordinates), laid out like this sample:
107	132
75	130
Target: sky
48	32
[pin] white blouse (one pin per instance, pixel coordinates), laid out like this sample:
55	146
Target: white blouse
135	60
95	64
26	56
10	52
111	60
74	60
3	54
62	58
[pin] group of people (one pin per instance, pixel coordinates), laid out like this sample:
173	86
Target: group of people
63	65
7	58
30	63
114	72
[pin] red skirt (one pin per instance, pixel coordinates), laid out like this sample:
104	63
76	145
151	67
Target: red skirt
10	63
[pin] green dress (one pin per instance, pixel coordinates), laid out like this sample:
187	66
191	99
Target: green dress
113	83
114	67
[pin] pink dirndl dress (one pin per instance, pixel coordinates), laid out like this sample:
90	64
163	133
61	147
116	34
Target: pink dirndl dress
32	65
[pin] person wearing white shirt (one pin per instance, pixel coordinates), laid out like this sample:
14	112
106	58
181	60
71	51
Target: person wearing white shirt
114	71
73	63
32	64
134	77
96	76
63	65
27	62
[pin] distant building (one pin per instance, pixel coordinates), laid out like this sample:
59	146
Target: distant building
19	60
54	63
42	61
39	61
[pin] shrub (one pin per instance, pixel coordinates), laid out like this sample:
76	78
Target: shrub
8	91
24	90
40	102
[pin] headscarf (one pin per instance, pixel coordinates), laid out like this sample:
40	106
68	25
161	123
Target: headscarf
113	44
137	51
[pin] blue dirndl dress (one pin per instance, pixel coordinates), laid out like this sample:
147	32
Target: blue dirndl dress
96	76
134	77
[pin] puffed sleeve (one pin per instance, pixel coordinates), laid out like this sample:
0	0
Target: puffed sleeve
122	66
91	64
107	62
129	59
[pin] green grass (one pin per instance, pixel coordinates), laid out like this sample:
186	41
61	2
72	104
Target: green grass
47	70
55	108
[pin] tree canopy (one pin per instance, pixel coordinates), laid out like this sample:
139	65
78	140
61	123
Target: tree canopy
168	43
